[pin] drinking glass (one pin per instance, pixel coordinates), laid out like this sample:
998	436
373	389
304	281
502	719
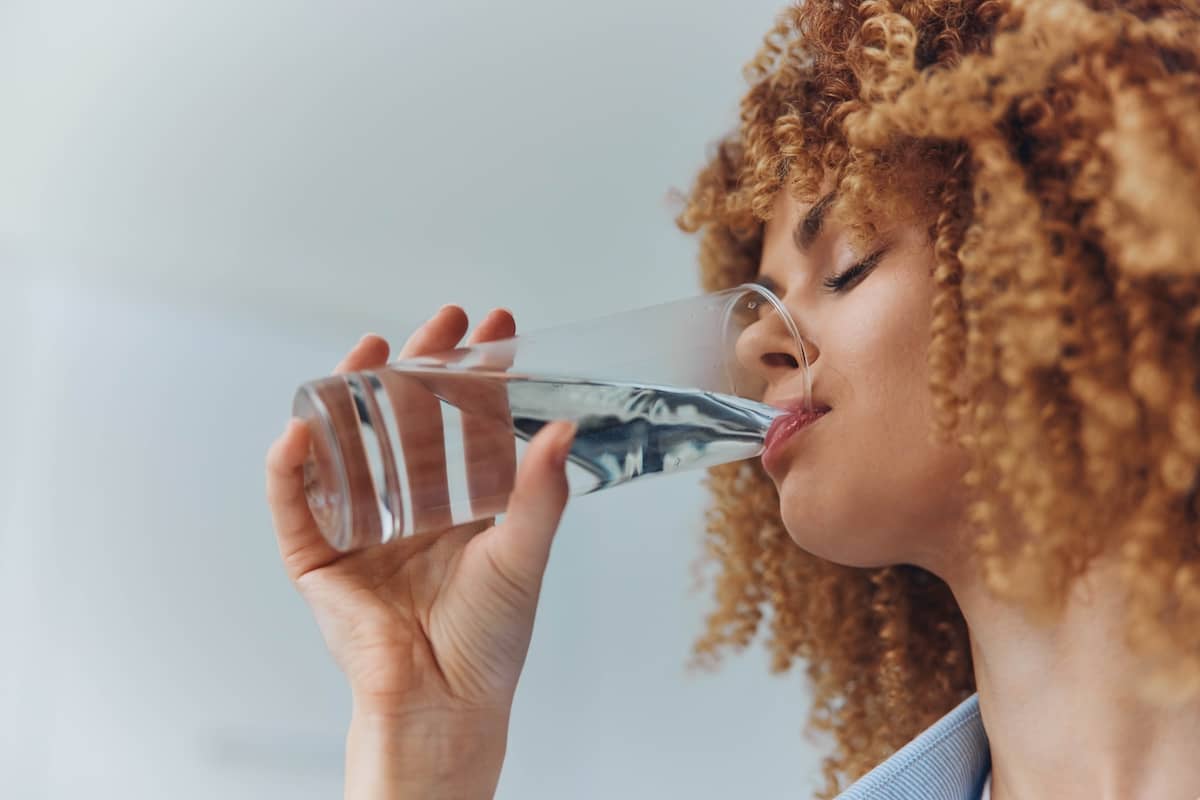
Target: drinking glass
429	442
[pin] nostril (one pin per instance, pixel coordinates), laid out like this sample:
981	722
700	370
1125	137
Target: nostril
780	360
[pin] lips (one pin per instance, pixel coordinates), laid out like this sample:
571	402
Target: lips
797	404
786	425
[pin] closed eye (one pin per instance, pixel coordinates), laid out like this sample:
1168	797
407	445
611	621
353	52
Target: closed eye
846	279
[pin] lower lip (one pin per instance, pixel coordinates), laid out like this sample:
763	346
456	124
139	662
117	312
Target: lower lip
782	430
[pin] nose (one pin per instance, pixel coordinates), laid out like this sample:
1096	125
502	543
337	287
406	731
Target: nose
767	350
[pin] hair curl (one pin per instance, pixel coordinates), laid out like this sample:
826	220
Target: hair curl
1051	148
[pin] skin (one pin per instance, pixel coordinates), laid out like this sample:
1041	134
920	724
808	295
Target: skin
865	486
430	630
866	350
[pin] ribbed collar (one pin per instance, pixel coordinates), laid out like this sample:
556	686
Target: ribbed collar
948	761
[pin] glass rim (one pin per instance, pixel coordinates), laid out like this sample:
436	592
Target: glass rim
735	293
777	303
320	412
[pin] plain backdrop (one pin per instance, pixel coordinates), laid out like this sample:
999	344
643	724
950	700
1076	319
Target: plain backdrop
204	204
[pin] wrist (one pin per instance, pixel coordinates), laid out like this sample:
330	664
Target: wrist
430	752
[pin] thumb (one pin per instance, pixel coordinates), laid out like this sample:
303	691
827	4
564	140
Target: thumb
519	546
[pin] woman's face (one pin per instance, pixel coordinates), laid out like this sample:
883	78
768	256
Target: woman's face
864	485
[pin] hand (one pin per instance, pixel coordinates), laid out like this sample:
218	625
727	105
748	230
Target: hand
436	624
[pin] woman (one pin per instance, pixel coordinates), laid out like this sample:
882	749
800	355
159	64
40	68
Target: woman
986	217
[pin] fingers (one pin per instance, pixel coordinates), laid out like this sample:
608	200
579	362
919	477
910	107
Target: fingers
488	441
301	544
370	352
519	547
498	324
418	416
442	332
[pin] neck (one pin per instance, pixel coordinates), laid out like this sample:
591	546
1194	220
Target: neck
1060	703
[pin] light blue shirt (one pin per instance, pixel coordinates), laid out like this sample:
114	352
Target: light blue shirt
949	760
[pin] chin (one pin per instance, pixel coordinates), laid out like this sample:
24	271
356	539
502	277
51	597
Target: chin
829	532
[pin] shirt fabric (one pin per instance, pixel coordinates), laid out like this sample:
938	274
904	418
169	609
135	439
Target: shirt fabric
949	760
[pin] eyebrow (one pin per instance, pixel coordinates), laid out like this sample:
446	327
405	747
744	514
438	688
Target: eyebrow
808	229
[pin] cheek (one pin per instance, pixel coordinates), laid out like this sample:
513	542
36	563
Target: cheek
877	490
881	355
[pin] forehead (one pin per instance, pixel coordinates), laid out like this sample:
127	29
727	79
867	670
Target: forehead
798	222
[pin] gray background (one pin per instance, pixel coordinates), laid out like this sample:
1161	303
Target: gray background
202	205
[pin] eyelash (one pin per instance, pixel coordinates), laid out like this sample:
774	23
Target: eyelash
840	281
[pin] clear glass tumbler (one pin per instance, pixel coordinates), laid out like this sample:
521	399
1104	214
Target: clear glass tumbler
425	443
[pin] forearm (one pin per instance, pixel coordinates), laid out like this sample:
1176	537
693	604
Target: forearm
416	757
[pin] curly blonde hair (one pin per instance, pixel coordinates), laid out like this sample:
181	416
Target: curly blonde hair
1051	149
